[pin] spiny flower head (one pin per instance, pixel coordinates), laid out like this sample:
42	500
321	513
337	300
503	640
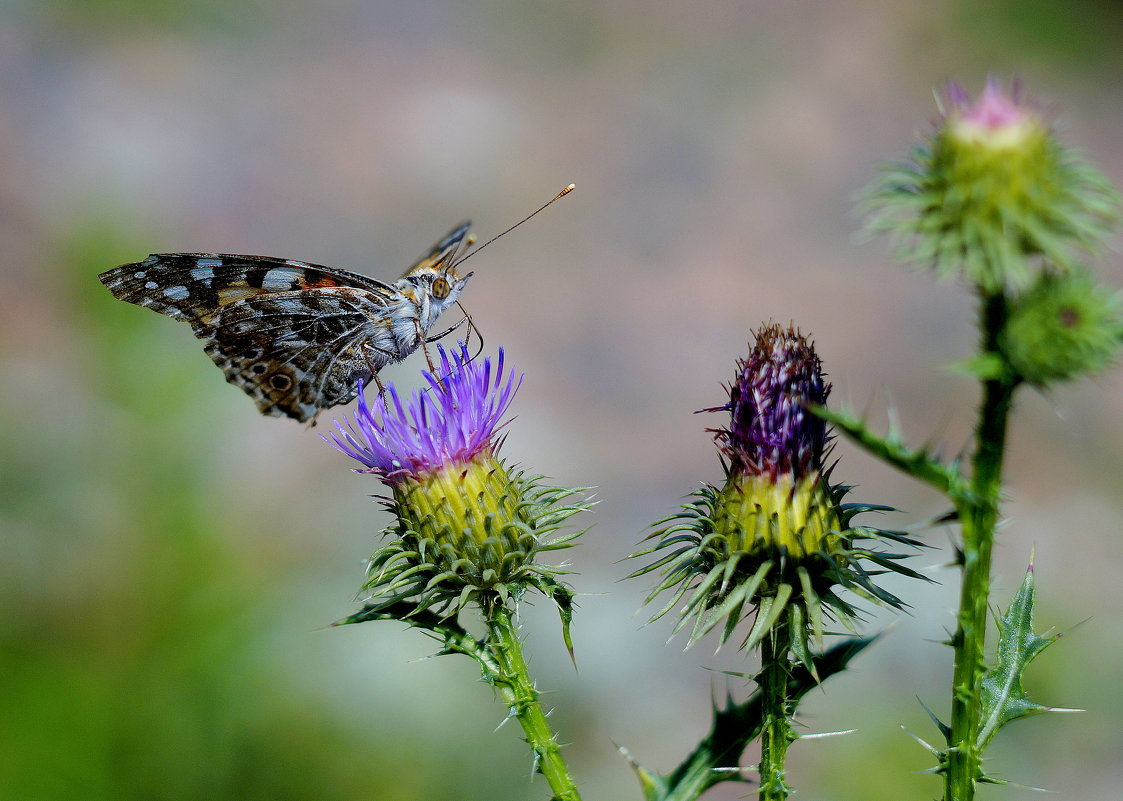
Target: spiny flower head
1062	327
775	539
992	194
771	430
467	527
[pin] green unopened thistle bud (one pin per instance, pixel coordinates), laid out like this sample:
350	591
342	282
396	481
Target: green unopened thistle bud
794	517
1063	327
471	520
775	540
466	527
992	193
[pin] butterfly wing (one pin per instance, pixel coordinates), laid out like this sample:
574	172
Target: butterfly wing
194	287
296	353
444	250
295	336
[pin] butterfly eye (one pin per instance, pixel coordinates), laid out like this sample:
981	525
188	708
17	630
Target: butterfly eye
440	288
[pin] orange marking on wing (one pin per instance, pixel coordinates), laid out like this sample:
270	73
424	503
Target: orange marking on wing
322	282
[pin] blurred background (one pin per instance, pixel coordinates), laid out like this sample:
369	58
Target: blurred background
170	558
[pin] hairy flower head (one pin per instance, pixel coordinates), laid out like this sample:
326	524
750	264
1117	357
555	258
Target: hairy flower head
771	430
992	194
775	539
466	524
451	423
1062	327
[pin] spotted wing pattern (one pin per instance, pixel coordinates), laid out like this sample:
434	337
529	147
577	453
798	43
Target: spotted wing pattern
296	337
295	353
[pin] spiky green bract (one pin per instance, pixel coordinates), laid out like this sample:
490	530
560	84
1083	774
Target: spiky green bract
465	530
730	571
1063	327
991	193
776	540
717	758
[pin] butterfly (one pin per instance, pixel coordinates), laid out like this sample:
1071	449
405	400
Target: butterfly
297	337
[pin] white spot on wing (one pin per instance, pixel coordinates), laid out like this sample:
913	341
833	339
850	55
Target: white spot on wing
150	285
138	274
292	263
176	292
277	279
203	273
208	262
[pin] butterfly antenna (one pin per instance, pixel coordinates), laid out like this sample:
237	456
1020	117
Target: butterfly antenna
543	207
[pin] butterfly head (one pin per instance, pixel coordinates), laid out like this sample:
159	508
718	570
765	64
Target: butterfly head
435	275
442	286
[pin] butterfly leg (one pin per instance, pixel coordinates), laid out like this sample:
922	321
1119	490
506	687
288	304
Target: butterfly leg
421	338
425	350
376	359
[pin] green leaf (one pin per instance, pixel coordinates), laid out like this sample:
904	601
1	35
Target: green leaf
985	367
563	596
919	463
1003	697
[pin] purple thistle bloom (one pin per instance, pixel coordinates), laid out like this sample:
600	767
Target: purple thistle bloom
452	421
994	109
771	431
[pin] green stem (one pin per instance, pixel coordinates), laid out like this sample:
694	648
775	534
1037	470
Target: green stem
979	516
776	731
512	678
717	758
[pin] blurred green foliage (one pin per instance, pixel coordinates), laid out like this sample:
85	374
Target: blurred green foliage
1077	35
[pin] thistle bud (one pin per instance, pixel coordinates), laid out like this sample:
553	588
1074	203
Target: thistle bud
775	539
1063	327
466	524
992	193
774	498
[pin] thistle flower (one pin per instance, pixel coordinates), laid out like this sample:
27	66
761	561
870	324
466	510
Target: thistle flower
1062	327
775	539
466	525
991	192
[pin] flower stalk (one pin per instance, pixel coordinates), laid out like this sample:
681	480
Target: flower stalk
993	198
776	733
512	679
467	531
979	514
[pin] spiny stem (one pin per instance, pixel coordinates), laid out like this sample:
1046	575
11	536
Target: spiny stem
979	516
717	757
512	678
776	731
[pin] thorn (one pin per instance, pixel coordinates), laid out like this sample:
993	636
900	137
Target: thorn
824	734
934	751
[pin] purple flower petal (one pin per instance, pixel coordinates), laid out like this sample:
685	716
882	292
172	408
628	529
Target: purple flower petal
451	421
771	431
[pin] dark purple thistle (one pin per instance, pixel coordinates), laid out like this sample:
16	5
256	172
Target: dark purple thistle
771	431
450	422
